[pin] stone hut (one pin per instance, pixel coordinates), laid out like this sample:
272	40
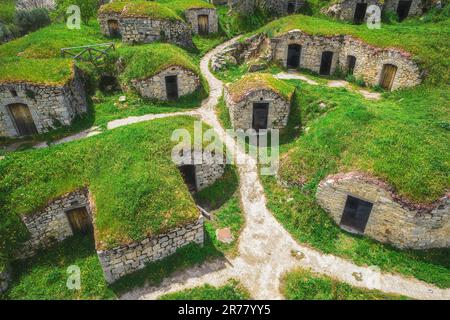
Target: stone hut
203	20
143	22
259	101
31	108
365	205
169	84
390	68
74	213
356	10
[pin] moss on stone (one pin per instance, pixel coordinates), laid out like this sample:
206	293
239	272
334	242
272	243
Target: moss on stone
259	81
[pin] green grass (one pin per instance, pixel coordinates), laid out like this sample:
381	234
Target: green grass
180	6
259	81
45	276
129	171
230	291
302	284
223	114
7	11
206	43
140	9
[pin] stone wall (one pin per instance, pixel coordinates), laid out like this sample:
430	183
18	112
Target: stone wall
392	219
369	60
274	7
129	258
51	225
136	30
49	106
241	112
192	18
416	7
155	87
207	173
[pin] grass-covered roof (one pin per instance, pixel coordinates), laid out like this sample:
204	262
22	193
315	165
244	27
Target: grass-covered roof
147	60
140	9
128	170
180	6
239	89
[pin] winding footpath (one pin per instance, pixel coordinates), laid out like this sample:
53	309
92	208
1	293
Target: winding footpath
266	249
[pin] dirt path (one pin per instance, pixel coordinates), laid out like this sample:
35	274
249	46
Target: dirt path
266	249
291	74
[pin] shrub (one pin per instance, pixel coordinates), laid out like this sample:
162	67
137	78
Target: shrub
88	9
31	20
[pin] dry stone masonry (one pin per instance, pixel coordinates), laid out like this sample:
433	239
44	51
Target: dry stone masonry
274	7
155	87
47	106
129	258
369	63
208	173
194	18
51	225
391	219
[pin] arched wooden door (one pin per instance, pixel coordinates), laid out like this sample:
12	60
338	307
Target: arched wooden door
22	118
388	76
203	24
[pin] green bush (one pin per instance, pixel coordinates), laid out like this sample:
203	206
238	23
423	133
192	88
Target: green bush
88	9
31	20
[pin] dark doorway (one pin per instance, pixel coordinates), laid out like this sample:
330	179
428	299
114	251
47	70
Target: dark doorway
22	118
172	87
403	9
351	62
356	214
325	64
360	13
203	24
188	173
260	116
388	76
293	58
291	8
114	30
79	220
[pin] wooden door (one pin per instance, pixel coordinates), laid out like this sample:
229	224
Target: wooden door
113	26
22	118
203	24
403	9
356	214
387	76
325	65
260	116
79	220
172	87
360	13
351	62
293	58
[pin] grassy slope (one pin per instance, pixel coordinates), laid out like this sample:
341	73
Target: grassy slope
129	171
230	291
304	285
7	10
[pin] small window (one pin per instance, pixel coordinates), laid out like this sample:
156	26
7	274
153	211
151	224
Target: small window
356	214
13	92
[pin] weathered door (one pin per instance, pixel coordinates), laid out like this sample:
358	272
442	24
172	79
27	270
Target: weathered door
325	65
113	26
203	24
403	9
291	8
293	58
356	214
189	177
360	13
351	62
22	118
260	116
79	220
387	76
172	87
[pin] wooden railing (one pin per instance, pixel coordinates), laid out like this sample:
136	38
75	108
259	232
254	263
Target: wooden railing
91	53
